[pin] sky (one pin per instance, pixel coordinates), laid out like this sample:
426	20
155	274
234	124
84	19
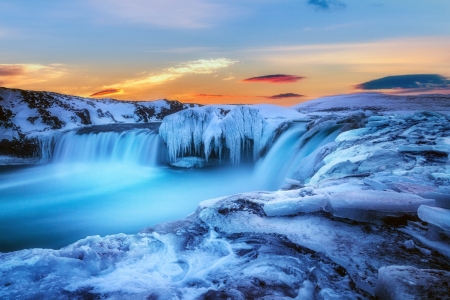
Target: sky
229	51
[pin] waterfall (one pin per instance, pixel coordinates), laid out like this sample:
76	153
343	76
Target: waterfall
285	156
133	146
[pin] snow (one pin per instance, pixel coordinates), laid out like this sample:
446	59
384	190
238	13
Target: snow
375	102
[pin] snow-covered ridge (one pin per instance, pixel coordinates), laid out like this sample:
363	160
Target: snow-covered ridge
225	130
375	102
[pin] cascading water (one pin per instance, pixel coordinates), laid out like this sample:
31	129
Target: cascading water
285	156
138	147
104	180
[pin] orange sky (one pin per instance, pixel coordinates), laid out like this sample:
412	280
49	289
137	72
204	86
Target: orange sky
135	52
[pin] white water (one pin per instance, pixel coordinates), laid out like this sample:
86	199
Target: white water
137	147
284	157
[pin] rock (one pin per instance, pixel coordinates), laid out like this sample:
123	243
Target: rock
409	244
373	206
408	283
442	200
189	162
437	216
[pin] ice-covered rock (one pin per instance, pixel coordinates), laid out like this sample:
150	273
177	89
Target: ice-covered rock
435	215
409	283
442	200
292	206
374	206
409	244
221	131
189	162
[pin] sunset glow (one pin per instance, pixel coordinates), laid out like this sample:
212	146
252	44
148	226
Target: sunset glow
282	52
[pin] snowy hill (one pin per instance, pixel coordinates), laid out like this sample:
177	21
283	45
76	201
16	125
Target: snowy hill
26	114
376	102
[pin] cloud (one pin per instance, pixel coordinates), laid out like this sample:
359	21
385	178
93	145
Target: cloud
201	66
231	77
209	95
393	56
107	92
285	95
18	75
276	78
165	13
403	82
221	96
327	4
11	70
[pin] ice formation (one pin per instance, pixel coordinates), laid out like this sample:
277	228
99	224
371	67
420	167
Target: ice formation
364	212
218	130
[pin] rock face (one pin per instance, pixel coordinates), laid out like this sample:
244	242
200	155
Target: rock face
26	115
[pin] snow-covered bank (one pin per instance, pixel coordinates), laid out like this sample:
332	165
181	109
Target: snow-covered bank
352	213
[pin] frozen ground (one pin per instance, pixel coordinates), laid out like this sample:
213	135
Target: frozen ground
363	215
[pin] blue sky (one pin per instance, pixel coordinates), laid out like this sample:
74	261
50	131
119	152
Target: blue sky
86	46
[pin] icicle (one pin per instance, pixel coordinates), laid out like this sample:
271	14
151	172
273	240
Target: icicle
215	129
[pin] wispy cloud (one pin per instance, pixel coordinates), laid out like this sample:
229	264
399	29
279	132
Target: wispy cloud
221	96
17	75
285	95
231	77
388	55
11	70
327	4
275	78
107	92
414	82
165	13
201	66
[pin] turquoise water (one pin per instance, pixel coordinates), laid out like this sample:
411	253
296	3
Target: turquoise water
104	181
54	205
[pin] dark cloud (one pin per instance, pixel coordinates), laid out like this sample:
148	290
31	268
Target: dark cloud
327	4
412	81
11	70
276	78
286	95
106	92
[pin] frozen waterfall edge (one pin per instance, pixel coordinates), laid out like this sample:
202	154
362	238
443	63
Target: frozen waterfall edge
225	132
